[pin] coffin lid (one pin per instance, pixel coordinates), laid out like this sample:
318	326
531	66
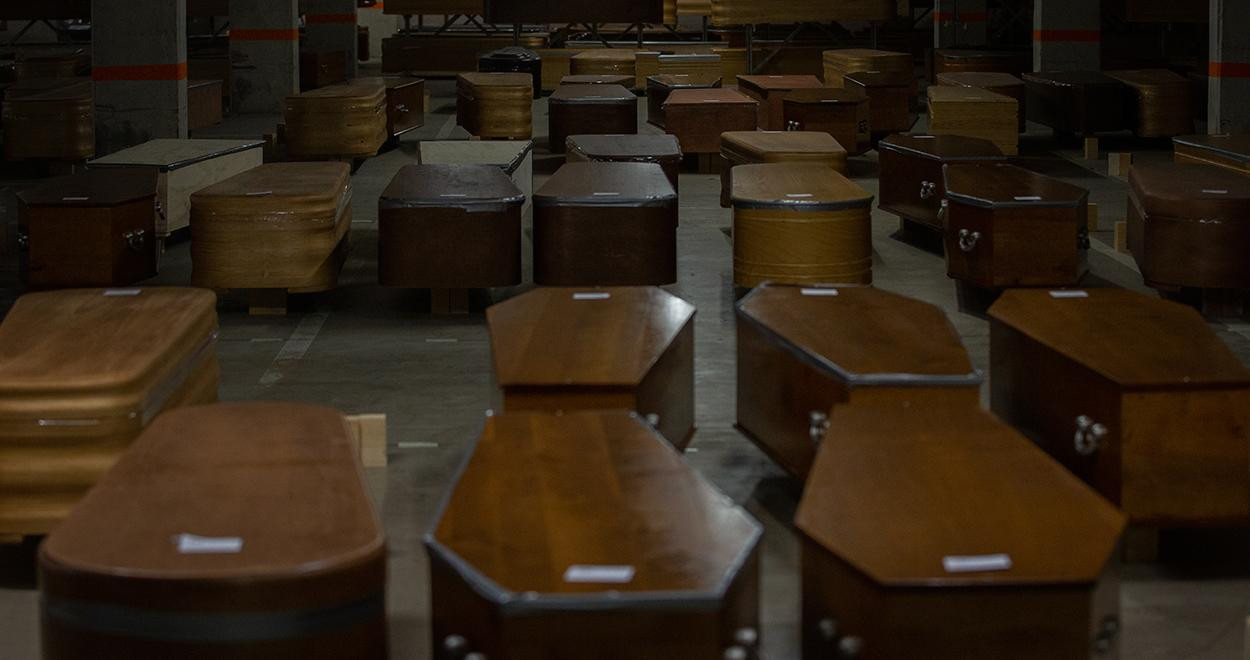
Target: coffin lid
711	95
1000	185
607	184
797	186
1196	191
173	153
1234	147
94	188
896	489
497	79
1134	340
689	57
541	493
772	83
592	94
982	79
612	54
50	89
556	336
505	154
281	477
363	89
1069	78
597	79
862	335
286	188
952	94
681	81
880	78
944	148
472	188
512	54
863	54
1149	78
641	147
826	95
773	145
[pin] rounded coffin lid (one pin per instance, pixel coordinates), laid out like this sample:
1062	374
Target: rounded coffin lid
469	187
94	188
1000	185
607	184
286	188
1234	147
945	148
796	186
1185	190
785	145
640	147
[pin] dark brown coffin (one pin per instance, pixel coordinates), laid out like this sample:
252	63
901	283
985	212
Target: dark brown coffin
444	54
318	68
1006	226
574	11
889	98
1158	101
940	533
230	530
598	79
805	350
450	226
514	59
1228	151
948	60
590	110
405	105
204	104
616	348
96	228
663	150
1133	394
843	113
585	535
605	224
912	184
768	91
698	117
211	67
1189	226
660	87
997	82
1076	102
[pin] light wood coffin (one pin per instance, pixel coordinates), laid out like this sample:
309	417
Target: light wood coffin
747	147
584	535
999	83
627	348
1227	151
603	61
698	117
589	110
347	120
81	373
495	105
975	112
839	62
805	350
233	530
912	183
51	119
1133	394
514	157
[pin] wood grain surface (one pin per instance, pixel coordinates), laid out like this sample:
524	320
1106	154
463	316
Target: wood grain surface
49	118
768	91
495	105
698	117
1159	102
345	120
841	61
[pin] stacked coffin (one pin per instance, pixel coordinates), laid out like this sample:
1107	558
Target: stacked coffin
838	63
661	86
843	113
913	185
747	147
495	105
975	112
347	120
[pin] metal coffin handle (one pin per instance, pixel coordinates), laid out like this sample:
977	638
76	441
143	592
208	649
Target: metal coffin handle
135	240
968	240
1089	435
846	647
1108	631
402	108
793	126
927	189
818	423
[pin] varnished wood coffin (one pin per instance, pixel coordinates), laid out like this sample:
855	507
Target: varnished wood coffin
95	228
981	548
590	110
40	63
514	157
746	12
605	224
50	119
514	59
1158	102
1007	226
230	530
698	117
600	61
347	120
805	350
81	373
769	91
430	54
889	98
975	112
912	183
663	150
1228	151
799	223
1189	226
991	81
616	348
183	167
495	105
1076	102
597	79
278	226
1153	412
954	60
204	104
843	113
839	62
319	68
534	558
659	88
405	104
748	147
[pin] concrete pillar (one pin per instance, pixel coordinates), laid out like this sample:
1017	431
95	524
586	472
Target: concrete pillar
380	27
139	70
1228	94
960	23
1067	35
264	44
330	25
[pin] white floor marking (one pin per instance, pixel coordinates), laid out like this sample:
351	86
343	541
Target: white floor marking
295	347
417	445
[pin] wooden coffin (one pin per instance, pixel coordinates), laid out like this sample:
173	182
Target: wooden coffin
209	67
768	91
990	549
954	60
733	63
278	226
842	113
1158	101
698	117
700	67
51	119
558	63
81	373
694	7
1189	226
183	167
419	7
599	61
597	79
533	557
450	227
590	110
514	157
605	224
889	99
661	86
319	68
999	83
42	63
975	112
747	147
617	348
232	530
495	105
516	60
746	12
912	184
95	228
800	223
839	62
448	54
1075	102
1228	151
405	104
1153	409
1006	226
662	150
204	104
574	11
347	120
805	350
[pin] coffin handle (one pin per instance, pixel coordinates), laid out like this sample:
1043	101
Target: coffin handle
793	126
850	647
455	647
23	240
653	419
136	239
818	423
927	189
968	240
1108	630
402	108
1089	435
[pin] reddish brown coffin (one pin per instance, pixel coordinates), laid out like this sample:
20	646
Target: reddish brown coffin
584	535
768	91
1228	151
948	60
912	184
590	110
405	103
805	350
1076	102
232	530
842	113
450	226
663	150
1135	395
629	348
204	104
698	117
660	87
889	98
1158	101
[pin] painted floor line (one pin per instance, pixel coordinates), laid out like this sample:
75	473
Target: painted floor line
295	348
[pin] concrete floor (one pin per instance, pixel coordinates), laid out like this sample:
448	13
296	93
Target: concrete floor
363	348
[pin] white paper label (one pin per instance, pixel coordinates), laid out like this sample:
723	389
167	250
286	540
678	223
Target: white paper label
607	194
818	292
602	574
591	296
74	199
798	195
1028	198
1069	294
976	563
258	193
453	195
925	137
122	293
190	544
1216	192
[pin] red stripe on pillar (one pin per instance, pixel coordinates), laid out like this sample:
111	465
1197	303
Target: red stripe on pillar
943	16
243	34
1229	69
1075	36
964	16
176	71
327	19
